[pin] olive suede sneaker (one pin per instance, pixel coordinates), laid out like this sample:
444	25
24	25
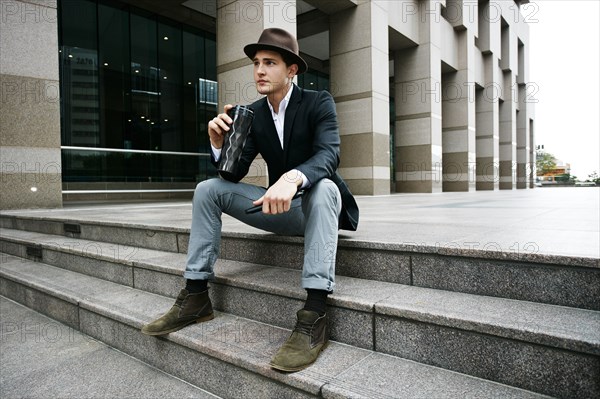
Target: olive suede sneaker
188	309
302	348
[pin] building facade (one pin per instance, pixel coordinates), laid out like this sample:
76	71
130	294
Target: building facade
110	99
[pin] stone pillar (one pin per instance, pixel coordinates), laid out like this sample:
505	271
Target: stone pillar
241	22
30	106
508	133
458	119
360	85
487	127
508	108
417	80
523	145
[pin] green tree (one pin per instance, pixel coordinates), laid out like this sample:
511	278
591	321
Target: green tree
594	177
544	163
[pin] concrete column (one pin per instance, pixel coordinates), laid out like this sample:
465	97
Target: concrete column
524	145
30	106
241	22
524	173
508	133
359	82
487	127
417	79
458	119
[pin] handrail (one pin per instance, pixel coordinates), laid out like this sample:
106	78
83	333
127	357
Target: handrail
98	149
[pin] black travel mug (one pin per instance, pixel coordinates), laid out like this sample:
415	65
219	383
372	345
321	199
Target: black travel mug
234	140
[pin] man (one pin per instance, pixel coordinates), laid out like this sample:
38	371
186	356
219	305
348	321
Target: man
296	133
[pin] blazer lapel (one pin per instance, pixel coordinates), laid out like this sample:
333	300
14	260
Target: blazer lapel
290	114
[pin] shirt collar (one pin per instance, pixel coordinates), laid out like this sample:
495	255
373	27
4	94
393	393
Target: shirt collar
284	102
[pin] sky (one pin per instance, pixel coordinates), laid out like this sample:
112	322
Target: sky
565	70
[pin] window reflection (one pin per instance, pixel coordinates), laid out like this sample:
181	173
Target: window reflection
131	80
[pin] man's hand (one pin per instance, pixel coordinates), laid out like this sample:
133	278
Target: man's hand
278	197
218	126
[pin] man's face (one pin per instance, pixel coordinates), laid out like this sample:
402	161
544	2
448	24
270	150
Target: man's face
271	75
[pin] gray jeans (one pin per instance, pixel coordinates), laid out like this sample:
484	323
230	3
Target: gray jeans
314	216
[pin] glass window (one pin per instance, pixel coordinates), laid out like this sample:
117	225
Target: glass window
80	119
137	91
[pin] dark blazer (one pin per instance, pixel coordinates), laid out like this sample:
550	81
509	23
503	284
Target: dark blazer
311	144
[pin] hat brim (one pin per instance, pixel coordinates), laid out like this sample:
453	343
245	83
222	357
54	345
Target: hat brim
251	50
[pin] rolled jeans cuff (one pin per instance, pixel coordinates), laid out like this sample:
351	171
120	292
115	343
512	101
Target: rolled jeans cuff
190	275
318	284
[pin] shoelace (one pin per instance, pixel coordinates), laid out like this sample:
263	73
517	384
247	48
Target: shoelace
304	328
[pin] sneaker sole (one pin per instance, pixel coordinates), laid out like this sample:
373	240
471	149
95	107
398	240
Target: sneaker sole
165	332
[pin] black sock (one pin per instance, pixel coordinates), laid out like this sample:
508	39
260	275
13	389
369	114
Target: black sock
316	301
196	286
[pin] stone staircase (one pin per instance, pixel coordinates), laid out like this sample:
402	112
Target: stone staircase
406	321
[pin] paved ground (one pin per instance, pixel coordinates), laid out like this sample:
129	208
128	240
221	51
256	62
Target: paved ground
42	358
549	221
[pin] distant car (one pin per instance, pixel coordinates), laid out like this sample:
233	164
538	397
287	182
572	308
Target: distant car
585	184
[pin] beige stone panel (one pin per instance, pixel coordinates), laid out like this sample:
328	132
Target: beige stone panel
487	166
381	150
403	16
344	35
379	27
355	116
381	187
238	23
237	87
36	160
20	196
381	114
458	112
30	112
30	37
458	172
417	63
489	34
457	186
506	151
478	67
486	186
360	186
351	72
486	123
485	146
417	97
356	150
369	186
366	172
367	149
414	158
423	186
454	141
380	72
43	3
506	168
449	48
410	132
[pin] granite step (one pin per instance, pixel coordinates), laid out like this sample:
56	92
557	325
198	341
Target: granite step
229	355
493	338
42	358
557	280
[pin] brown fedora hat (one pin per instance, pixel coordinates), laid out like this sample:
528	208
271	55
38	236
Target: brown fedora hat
281	41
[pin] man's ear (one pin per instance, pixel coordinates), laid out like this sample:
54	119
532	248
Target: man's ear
292	70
